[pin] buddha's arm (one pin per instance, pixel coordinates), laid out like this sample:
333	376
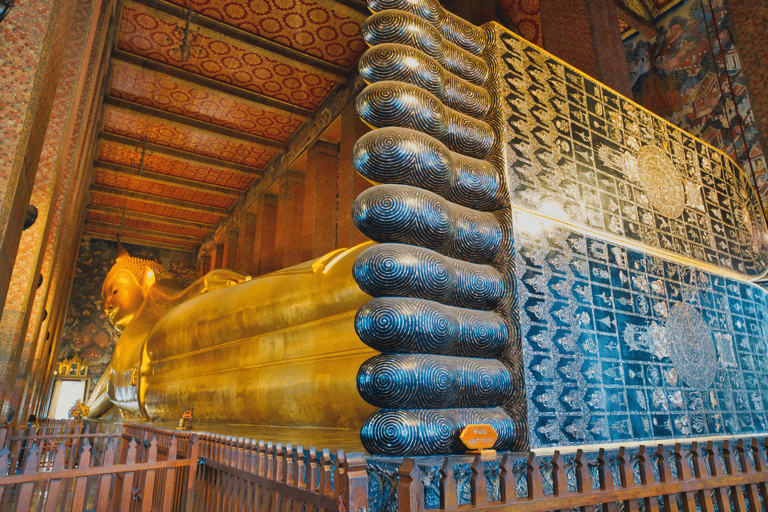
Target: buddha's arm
213	280
99	403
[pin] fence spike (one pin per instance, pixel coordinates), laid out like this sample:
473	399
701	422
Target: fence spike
478	485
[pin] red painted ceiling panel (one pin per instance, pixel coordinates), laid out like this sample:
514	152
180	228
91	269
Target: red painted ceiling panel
155	36
165	133
130	156
139	85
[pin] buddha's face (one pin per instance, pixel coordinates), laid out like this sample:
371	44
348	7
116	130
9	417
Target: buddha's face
122	298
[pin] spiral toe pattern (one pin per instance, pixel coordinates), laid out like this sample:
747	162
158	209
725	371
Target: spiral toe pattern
450	26
409	157
404	105
428	381
407	271
406	325
410	215
400	27
402	63
430	432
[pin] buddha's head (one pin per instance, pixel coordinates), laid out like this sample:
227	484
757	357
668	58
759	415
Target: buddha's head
127	285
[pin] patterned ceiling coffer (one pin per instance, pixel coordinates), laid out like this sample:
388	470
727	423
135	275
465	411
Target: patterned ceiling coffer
136	183
152	35
165	133
160	227
106	230
300	24
139	85
582	154
159	210
130	156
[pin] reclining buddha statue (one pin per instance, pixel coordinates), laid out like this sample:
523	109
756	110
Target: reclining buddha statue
279	348
553	261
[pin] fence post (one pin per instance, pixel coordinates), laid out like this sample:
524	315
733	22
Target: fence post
737	497
355	483
30	467
754	500
478	486
506	480
684	475
705	498
760	466
85	462
408	488
448	497
533	477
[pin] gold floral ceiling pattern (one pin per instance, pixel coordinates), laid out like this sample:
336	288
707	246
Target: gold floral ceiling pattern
192	117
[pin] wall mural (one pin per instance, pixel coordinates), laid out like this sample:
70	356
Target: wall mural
681	75
87	330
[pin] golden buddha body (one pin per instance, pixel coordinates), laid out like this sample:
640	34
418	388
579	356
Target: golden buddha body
278	349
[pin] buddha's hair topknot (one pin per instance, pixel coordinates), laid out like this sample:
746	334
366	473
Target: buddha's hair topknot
137	267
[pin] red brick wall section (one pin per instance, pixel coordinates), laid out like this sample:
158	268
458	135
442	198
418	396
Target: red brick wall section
609	49
750	33
566	33
585	34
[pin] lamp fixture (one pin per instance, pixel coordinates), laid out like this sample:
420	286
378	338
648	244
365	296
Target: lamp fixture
5	7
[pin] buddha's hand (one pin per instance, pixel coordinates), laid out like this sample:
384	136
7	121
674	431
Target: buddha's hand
222	278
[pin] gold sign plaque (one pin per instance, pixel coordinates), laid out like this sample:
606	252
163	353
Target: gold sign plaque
478	437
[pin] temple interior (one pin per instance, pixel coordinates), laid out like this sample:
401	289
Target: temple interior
212	135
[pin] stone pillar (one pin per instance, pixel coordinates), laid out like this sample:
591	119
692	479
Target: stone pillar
320	200
231	250
247	251
33	37
350	183
266	224
585	34
42	169
290	210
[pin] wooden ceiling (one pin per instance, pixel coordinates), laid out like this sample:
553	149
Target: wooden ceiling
200	97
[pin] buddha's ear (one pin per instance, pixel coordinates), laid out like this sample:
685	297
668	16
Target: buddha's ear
147	280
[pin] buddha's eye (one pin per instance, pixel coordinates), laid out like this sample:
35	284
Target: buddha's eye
114	291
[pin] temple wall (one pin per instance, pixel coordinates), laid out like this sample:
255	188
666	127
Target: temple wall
681	75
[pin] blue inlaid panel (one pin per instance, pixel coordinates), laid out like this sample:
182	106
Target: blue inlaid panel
620	345
578	152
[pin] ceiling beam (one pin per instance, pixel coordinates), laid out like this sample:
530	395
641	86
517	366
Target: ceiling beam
186	155
141	241
196	186
99	208
163	201
142	231
274	50
199	80
356	9
194	123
